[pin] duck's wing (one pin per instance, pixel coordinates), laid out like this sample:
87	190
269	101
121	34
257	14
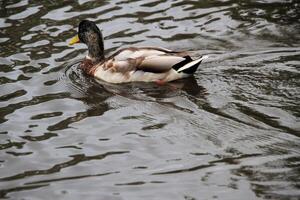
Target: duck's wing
149	59
160	63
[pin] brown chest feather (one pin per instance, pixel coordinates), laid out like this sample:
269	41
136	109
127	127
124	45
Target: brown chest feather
88	67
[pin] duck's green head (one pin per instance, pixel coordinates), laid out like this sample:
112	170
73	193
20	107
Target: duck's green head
89	34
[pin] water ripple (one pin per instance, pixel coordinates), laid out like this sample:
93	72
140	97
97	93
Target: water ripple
229	132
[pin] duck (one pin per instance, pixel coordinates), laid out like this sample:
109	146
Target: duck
131	64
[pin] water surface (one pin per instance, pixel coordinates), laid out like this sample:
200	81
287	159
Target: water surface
230	132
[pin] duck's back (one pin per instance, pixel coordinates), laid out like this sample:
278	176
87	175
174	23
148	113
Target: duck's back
146	64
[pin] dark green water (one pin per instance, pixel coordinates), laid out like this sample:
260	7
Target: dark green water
230	132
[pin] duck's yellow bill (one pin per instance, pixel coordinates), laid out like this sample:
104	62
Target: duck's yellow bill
74	40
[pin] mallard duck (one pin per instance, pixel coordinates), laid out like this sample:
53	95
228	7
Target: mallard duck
146	64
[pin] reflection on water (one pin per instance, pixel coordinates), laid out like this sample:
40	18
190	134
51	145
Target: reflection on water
230	132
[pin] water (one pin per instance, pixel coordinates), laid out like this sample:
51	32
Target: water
230	132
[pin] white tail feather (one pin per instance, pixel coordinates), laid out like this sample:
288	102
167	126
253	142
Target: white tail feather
190	64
